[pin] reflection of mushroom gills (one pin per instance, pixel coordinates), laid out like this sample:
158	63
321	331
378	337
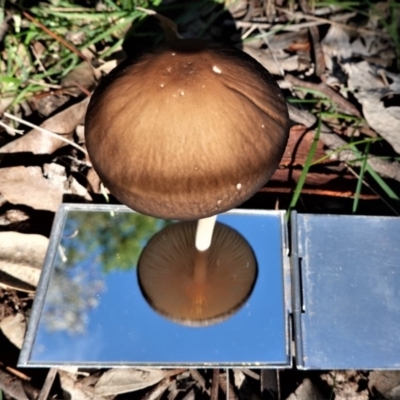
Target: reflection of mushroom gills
197	287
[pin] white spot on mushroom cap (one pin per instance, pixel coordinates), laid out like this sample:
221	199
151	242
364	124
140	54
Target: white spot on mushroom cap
173	54
238	186
216	69
169	69
262	126
161	85
182	93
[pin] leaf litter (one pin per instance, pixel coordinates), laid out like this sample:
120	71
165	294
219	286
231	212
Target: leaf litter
332	67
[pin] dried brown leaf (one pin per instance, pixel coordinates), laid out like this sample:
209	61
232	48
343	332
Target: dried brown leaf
38	142
13	216
117	381
21	259
385	383
346	384
13	328
370	90
73	389
306	391
275	64
12	386
191	395
27	185
81	78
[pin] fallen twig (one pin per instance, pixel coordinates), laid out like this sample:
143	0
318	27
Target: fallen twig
320	192
227	387
51	375
314	33
18	373
215	384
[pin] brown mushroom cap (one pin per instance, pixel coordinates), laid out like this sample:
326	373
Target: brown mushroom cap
192	287
186	130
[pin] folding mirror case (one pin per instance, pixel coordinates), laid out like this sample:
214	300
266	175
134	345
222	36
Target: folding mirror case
327	295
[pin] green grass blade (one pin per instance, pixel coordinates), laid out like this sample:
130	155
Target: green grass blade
304	172
346	147
384	186
120	24
360	178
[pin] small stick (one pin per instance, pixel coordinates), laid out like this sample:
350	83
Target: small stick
227	387
18	373
318	192
215	384
10	130
48	383
250	373
314	33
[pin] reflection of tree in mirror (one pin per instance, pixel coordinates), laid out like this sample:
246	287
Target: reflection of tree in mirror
73	292
93	243
120	236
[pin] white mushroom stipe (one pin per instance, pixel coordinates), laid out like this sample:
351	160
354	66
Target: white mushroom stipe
204	232
216	69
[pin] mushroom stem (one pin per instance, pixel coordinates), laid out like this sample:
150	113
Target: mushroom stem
204	232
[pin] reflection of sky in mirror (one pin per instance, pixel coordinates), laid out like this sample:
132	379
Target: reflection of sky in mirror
118	326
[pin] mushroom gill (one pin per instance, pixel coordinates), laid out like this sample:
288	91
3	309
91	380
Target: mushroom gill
196	287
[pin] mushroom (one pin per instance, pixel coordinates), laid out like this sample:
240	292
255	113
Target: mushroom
195	287
187	129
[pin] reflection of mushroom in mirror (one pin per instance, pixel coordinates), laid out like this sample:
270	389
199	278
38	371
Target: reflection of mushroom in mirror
195	287
187	129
